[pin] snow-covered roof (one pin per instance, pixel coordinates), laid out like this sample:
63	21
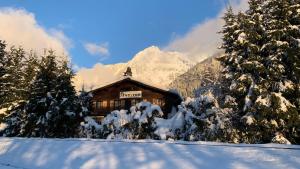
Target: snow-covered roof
129	78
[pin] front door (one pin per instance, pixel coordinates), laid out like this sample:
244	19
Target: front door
127	104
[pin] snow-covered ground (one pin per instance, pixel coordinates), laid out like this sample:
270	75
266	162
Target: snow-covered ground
29	153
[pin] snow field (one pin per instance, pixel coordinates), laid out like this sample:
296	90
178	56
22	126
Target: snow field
31	153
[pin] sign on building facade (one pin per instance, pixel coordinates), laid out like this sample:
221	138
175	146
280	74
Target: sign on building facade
130	94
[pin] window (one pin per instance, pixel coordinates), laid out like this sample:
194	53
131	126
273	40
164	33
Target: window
94	105
117	104
135	101
159	102
111	104
122	104
100	104
162	102
103	104
97	105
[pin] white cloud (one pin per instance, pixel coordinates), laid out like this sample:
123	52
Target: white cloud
20	28
97	49
94	77
59	35
203	40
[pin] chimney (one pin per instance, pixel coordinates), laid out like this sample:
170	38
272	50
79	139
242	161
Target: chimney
128	72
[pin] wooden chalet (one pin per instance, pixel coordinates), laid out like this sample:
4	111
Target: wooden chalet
127	92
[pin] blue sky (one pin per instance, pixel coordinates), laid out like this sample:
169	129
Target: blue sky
122	27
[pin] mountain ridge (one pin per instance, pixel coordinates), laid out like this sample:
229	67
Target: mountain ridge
202	75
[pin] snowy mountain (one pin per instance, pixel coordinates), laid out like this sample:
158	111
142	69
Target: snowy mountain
151	65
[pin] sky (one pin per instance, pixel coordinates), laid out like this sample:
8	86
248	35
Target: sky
111	31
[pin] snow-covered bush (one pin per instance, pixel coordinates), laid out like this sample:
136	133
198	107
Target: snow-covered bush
199	118
14	120
89	128
177	127
280	139
138	123
2	115
2	128
113	124
213	122
3	125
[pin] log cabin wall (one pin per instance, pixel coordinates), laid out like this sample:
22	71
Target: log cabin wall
107	98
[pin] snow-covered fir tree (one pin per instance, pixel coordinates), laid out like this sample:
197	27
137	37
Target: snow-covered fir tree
19	90
278	107
51	110
30	68
257	69
89	128
210	80
229	59
14	89
14	78
41	99
14	120
38	95
84	101
3	71
64	117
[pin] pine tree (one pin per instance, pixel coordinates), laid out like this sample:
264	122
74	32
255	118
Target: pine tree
14	120
3	70
234	88
229	59
41	99
252	71
88	126
84	100
277	110
30	71
3	62
53	109
65	118
16	114
13	89
260	72
294	62
12	80
210	78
